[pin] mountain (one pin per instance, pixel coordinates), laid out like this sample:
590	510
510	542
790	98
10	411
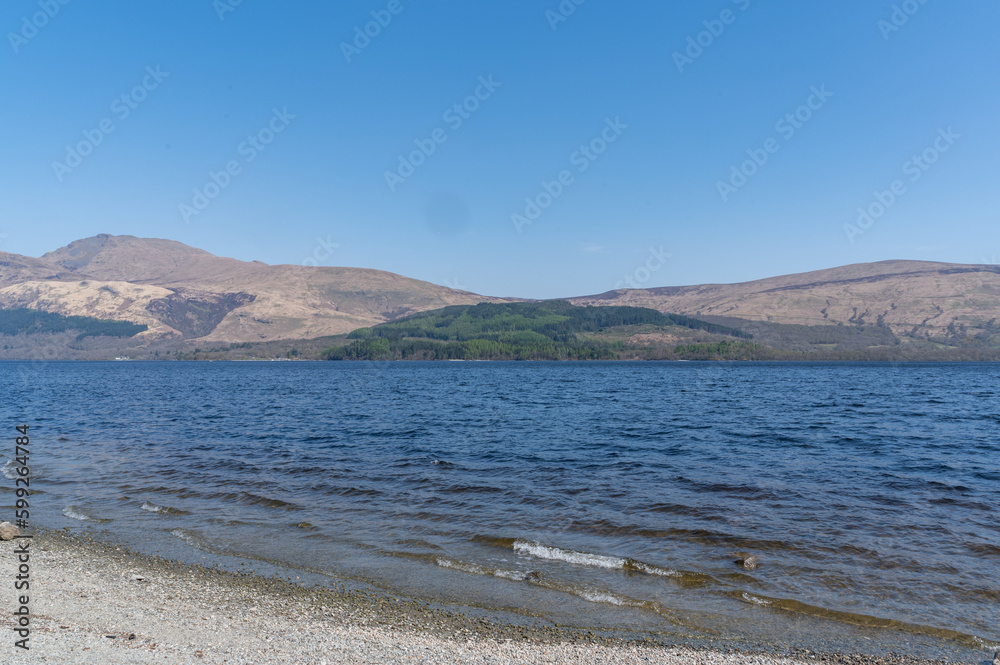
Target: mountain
188	296
916	300
186	292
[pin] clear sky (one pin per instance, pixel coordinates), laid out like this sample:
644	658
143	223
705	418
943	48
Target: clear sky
592	141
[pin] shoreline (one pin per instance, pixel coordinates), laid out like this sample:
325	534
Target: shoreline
88	606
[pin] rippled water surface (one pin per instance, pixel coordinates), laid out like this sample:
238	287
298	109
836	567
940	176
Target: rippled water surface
600	494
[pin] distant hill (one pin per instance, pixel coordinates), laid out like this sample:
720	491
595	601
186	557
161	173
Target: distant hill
189	300
917	301
191	294
551	330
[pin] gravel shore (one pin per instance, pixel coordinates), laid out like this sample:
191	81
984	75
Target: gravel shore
95	604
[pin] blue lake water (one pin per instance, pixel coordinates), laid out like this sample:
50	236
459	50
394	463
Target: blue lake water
613	495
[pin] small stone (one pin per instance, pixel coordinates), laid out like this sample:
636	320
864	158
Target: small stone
8	531
138	578
750	562
996	658
533	575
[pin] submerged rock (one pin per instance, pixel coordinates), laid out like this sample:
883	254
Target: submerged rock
533	575
750	563
8	531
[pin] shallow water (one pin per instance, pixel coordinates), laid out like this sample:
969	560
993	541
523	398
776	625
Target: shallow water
603	494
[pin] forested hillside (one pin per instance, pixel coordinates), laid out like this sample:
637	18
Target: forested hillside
30	322
551	330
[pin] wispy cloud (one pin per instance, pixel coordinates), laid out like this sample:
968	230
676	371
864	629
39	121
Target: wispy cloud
592	248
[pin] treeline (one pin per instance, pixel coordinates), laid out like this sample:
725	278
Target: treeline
30	321
722	351
475	349
479	349
551	330
514	323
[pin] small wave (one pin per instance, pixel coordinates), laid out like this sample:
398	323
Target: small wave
593	560
864	620
416	542
750	598
9	470
986	646
587	593
78	513
983	548
253	500
557	554
476	569
191	538
164	510
605	597
357	491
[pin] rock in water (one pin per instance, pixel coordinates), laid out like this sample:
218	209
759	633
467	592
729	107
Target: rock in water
8	531
996	658
750	563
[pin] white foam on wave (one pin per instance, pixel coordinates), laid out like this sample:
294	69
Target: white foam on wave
605	597
464	567
569	556
189	538
754	599
9	470
986	646
516	575
655	570
476	569
588	559
153	508
76	513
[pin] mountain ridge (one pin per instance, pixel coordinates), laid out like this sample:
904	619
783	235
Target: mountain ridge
898	293
190	294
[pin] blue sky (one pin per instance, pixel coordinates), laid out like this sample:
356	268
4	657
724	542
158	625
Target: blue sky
594	144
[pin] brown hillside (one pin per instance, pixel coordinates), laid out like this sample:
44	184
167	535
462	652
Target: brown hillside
901	294
227	300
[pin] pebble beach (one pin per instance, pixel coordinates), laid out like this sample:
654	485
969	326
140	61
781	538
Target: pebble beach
98	603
